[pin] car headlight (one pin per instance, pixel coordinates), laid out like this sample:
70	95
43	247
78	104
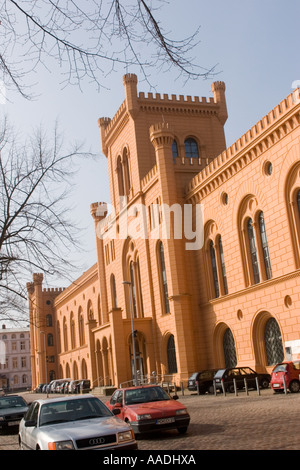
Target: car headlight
145	416
61	445
125	436
182	412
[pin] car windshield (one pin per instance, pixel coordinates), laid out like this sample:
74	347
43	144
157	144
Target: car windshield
64	411
144	395
12	402
194	376
220	373
280	368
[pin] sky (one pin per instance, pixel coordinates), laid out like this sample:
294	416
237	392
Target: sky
254	46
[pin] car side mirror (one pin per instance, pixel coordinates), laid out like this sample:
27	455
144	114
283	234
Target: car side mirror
30	423
116	411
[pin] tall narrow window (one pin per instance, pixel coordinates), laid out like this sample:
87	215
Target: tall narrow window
113	291
171	353
214	269
223	267
273	342
163	274
191	148
126	172
133	290
120	177
298	202
253	251
229	349
264	245
174	150
50	341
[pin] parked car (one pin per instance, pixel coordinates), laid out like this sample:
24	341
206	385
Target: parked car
12	410
205	380
39	388
74	423
74	386
149	408
84	386
289	371
239	374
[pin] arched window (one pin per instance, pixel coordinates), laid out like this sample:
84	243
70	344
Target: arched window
222	261
214	268
72	330
50	341
113	291
253	251
126	172
171	354
133	290
65	333
174	150
49	320
273	342
298	202
163	276
81	328
120	177
229	349
58	338
264	246
191	148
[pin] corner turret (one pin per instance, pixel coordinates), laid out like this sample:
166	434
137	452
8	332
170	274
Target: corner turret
218	89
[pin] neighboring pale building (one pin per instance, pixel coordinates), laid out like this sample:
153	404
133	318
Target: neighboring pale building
223	288
15	363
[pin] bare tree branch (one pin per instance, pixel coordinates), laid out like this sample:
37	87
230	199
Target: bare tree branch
89	39
36	234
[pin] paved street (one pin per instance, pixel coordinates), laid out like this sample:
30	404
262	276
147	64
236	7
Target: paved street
265	422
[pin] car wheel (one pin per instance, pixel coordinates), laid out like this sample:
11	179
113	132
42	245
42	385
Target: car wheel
294	386
230	388
182	430
211	390
264	383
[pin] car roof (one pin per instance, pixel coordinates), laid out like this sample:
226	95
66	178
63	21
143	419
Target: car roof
42	401
137	387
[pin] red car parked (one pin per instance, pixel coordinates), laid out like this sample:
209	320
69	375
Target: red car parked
288	370
149	408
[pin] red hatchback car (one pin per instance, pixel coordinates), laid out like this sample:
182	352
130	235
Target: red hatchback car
149	408
288	371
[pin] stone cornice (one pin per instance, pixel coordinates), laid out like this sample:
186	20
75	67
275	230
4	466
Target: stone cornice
267	132
86	277
250	289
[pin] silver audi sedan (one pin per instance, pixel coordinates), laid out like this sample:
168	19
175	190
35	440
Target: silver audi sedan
73	423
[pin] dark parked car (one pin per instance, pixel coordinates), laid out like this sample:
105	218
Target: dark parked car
239	374
12	410
205	379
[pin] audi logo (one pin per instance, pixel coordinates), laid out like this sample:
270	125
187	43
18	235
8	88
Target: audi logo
96	441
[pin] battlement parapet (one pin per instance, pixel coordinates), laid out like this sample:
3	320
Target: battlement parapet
55	290
158	98
256	140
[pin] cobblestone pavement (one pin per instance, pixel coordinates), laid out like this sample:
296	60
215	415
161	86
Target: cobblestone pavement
265	422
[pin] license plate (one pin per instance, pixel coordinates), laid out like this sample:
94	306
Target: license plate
13	423
276	385
165	420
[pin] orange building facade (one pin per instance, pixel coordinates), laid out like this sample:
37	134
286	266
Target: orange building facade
198	254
